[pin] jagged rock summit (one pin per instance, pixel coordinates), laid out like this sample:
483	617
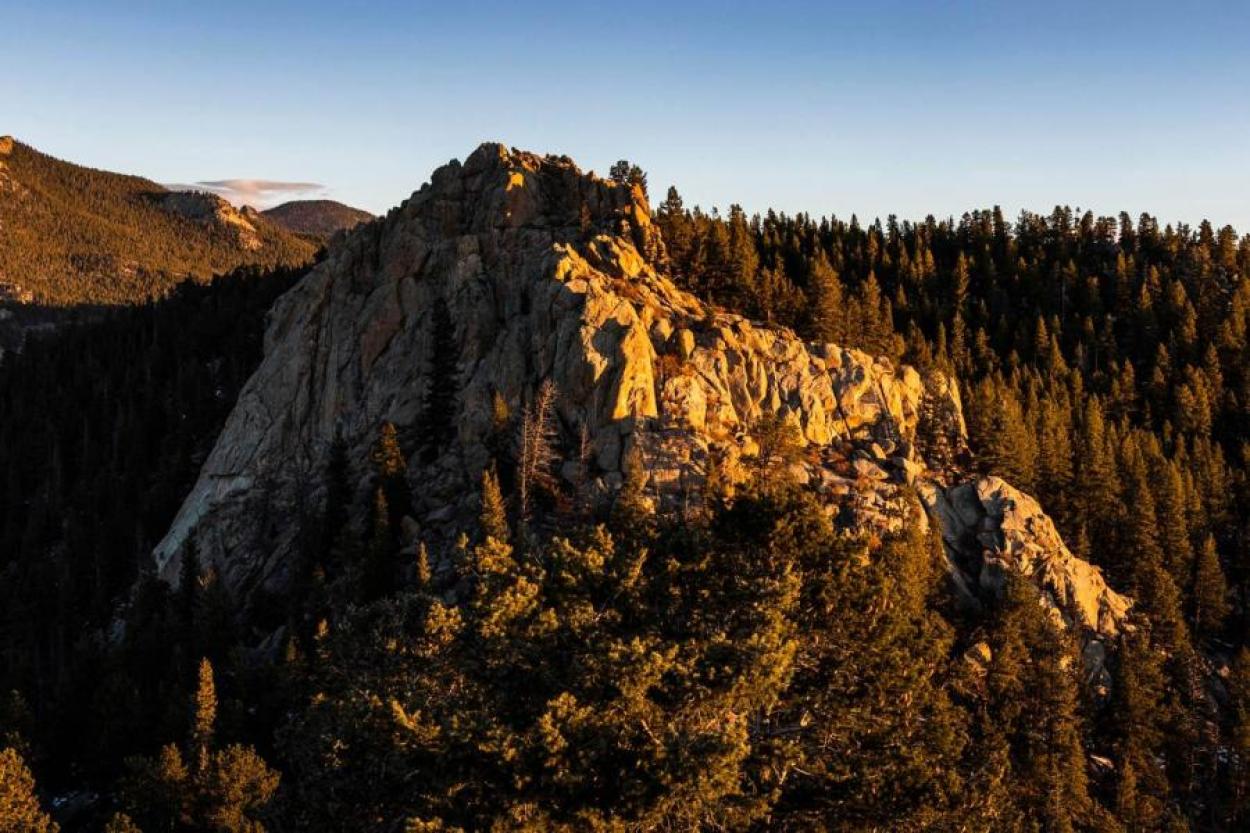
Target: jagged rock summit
548	273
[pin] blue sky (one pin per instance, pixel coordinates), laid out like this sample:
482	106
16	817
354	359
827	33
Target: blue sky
868	108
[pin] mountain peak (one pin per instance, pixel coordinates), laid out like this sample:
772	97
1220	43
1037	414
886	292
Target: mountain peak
515	273
511	188
316	218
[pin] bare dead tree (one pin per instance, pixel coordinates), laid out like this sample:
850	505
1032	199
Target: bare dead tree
536	453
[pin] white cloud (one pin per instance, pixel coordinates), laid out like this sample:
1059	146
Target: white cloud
258	193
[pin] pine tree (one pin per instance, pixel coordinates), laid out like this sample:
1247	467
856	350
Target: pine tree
879	736
1174	531
624	172
1139	717
632	511
742	261
19	807
225	791
1239	740
119	822
235	790
494	516
205	716
1055	470
1210	591
998	431
391	473
826	307
938	435
1033	699
424	574
678	234
1097	507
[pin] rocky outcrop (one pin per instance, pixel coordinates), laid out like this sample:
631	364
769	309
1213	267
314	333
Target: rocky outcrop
991	528
547	273
210	209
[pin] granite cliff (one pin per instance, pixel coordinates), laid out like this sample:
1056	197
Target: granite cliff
549	273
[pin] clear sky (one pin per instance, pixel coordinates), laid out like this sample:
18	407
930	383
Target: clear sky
870	108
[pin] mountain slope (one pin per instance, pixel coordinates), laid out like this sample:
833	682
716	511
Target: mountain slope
512	270
316	218
75	235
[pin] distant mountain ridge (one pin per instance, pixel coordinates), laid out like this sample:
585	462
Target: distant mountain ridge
316	218
72	235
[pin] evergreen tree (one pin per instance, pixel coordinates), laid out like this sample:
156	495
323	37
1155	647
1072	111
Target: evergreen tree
391	473
121	823
826	307
1097	506
563	669
1239	740
494	516
879	739
205	717
1210	591
1034	704
19	807
1140	719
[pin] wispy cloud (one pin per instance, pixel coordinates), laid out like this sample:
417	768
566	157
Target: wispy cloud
258	193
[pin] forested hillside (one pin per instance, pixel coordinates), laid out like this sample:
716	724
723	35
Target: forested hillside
71	235
319	219
102	429
751	661
1106	368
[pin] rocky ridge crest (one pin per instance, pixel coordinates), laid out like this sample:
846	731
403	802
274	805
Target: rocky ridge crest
551	274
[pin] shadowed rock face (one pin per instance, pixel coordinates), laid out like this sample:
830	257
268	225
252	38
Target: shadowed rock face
552	274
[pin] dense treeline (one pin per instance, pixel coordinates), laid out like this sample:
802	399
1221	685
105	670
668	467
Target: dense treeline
102	431
1105	367
74	235
748	667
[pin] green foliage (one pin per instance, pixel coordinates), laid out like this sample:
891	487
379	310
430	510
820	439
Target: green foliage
121	823
103	429
521	707
1210	591
226	790
1032	718
19	807
747	672
748	669
494	516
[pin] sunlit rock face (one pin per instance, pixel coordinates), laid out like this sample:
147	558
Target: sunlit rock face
549	273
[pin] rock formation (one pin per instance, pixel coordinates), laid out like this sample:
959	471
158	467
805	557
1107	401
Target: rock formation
551	274
212	210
